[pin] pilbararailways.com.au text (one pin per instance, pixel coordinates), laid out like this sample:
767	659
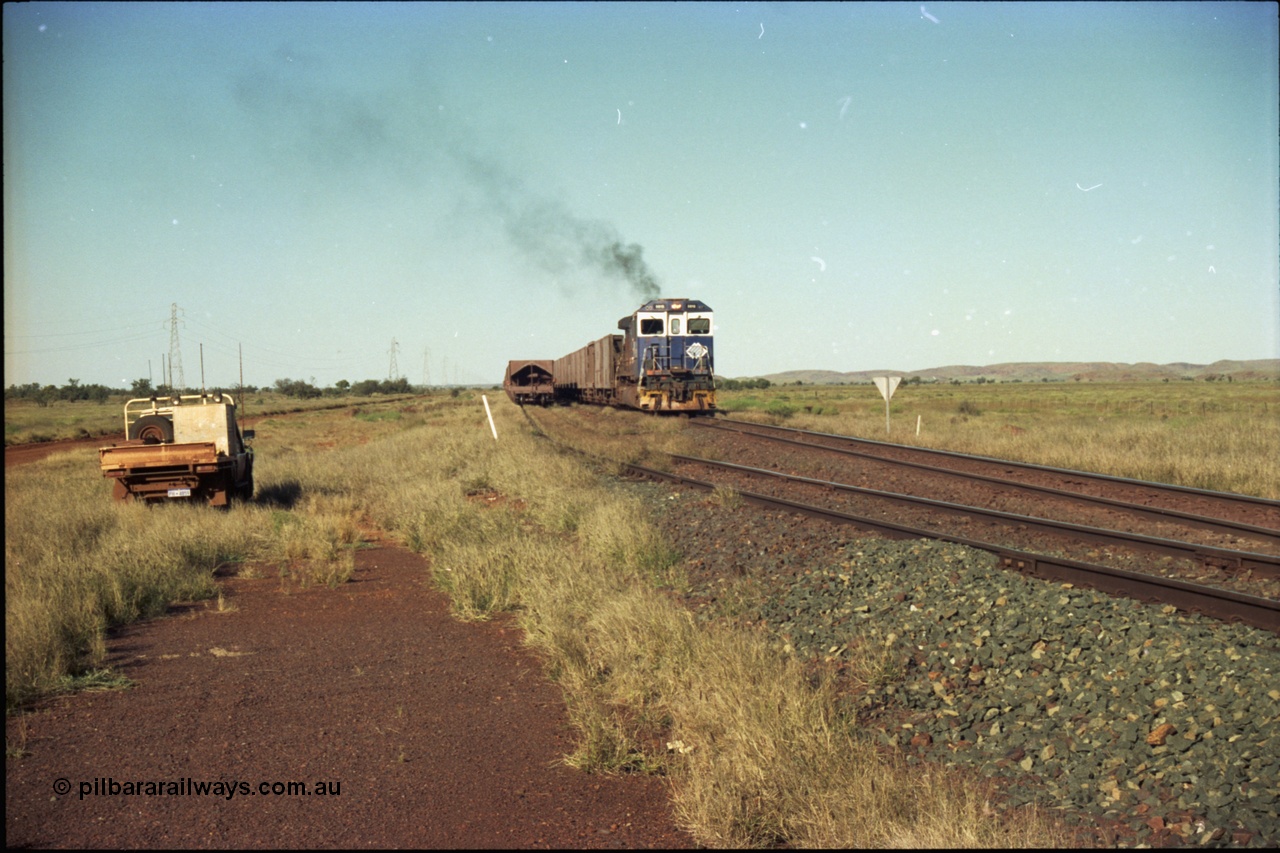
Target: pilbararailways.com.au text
188	787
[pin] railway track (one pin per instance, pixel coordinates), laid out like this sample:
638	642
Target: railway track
1245	516
1202	568
1058	688
1228	605
1242	583
1265	565
1225	543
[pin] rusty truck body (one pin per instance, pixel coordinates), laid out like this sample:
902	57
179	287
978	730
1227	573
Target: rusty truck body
186	448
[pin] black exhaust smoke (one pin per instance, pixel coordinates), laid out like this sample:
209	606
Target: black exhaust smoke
364	138
555	239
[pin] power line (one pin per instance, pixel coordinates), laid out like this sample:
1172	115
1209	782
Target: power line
290	360
121	328
73	347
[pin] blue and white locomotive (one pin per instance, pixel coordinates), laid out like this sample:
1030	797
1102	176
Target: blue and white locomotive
662	362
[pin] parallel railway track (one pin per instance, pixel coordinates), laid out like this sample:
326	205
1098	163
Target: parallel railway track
1249	570
1154	568
1265	565
1212	601
1054	688
1240	515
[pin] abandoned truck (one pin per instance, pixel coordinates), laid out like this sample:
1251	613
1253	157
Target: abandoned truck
181	448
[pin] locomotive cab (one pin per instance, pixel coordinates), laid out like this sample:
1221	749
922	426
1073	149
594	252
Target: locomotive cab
668	356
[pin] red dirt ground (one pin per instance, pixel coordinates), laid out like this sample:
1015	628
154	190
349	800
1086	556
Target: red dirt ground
20	454
439	733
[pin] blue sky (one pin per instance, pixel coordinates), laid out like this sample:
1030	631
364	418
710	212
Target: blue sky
849	186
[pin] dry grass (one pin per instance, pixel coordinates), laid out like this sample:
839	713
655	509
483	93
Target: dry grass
26	421
1220	436
313	546
78	563
756	754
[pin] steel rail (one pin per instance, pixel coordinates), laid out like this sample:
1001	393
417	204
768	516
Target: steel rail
1226	497
1220	604
1187	519
1265	565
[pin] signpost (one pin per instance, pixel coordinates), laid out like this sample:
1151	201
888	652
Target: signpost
887	385
492	428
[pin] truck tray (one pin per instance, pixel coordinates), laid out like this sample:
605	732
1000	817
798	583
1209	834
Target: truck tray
129	456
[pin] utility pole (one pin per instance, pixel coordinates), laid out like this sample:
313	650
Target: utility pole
175	351
426	367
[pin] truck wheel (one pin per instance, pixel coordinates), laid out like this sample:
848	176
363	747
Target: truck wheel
153	429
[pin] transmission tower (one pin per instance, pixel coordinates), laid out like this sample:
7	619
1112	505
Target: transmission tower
426	367
175	351
394	372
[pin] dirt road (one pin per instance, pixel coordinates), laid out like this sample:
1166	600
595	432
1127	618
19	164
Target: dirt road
20	454
424	732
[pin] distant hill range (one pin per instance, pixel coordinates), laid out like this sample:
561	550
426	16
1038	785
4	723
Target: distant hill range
1049	371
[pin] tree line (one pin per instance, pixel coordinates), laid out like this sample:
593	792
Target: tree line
343	388
73	391
742	384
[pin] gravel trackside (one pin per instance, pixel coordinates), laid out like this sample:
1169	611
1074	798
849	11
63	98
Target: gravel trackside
1162	725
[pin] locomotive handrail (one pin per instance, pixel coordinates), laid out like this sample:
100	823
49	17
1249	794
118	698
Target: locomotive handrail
657	356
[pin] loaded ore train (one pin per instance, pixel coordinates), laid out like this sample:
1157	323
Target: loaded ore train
662	362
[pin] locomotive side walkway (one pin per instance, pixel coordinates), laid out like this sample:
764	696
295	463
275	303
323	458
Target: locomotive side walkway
435	733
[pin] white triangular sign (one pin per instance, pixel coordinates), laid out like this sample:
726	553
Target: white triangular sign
887	385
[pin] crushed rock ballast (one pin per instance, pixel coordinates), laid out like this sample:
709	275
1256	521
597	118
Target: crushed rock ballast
1163	720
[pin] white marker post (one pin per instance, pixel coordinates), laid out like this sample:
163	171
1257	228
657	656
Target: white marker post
492	428
887	385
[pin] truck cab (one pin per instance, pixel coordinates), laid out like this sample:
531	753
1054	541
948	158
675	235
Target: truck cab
193	417
187	447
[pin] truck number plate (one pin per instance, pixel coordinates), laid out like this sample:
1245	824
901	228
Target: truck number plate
179	493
